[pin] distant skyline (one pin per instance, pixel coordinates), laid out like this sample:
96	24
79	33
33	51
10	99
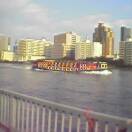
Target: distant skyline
44	18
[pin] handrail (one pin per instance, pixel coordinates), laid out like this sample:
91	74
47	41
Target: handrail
84	115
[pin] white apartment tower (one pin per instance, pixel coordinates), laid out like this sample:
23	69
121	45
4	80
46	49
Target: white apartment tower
128	52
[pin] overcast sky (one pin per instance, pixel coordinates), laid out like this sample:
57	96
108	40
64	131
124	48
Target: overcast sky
44	18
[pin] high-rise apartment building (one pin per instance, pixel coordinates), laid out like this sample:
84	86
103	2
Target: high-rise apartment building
30	49
5	49
48	51
96	49
5	43
68	38
128	52
62	50
67	42
88	49
122	50
58	51
105	36
83	50
126	33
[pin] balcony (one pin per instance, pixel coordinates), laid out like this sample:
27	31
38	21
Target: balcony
21	113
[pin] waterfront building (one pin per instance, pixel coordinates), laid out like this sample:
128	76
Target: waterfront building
88	49
64	45
122	50
116	55
68	38
63	50
96	49
24	49
5	43
58	51
105	36
30	49
6	56
128	52
69	51
83	50
48	51
126	33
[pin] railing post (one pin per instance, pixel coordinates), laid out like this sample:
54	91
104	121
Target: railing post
27	116
70	123
78	123
32	116
43	119
23	116
49	121
18	114
12	113
8	114
1	107
56	120
4	109
37	118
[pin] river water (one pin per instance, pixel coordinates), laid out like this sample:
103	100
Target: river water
110	94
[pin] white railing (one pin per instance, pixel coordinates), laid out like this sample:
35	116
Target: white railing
21	113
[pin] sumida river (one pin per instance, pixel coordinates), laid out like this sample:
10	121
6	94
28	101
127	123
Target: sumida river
110	94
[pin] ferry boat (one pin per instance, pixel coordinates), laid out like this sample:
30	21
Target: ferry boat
69	66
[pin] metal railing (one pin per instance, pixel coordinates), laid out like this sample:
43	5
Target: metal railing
21	113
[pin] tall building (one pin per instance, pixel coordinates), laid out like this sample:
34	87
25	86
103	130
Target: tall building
48	51
105	36
128	52
30	49
96	49
83	50
58	51
5	49
88	49
122	50
5	43
63	50
68	38
126	33
67	42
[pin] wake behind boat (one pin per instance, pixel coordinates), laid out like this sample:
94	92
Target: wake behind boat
70	66
104	72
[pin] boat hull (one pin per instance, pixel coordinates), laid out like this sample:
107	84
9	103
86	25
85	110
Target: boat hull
69	66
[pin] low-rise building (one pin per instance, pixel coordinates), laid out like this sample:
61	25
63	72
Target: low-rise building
6	56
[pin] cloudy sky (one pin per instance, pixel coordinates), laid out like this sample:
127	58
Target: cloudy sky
44	18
